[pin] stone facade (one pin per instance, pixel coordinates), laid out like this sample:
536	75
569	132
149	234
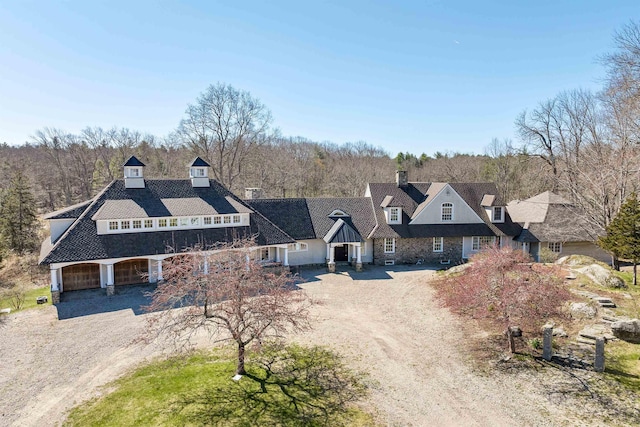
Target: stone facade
410	251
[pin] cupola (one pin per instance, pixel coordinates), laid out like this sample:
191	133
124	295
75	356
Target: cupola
199	173
133	173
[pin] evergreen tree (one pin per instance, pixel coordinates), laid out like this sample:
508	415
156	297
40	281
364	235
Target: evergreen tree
18	221
623	233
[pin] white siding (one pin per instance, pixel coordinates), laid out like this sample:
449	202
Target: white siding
462	213
58	227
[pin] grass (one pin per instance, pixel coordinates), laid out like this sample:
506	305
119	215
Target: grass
197	390
623	363
30	299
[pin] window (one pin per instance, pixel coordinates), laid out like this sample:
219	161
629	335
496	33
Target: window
216	220
497	214
555	247
173	222
264	254
389	245
394	215
236	219
195	220
207	220
113	225
162	222
148	223
137	223
480	242
197	172
447	211
134	172
227	219
125	225
297	247
438	244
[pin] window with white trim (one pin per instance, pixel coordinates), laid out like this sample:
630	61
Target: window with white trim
162	222
125	225
389	245
394	216
498	214
555	247
227	219
207	220
236	219
481	242
113	225
173	222
137	223
297	247
184	222
197	172
148	223
447	211
194	220
217	220
438	244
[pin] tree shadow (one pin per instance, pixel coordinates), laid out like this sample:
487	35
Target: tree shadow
287	386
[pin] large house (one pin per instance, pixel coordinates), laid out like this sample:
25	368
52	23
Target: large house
128	229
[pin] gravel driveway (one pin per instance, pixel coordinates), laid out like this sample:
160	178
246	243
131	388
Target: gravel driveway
386	321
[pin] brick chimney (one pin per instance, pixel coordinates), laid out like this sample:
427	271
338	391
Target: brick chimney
402	178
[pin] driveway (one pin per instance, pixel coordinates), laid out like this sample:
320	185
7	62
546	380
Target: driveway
385	321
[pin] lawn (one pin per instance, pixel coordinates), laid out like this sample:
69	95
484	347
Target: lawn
199	390
30	299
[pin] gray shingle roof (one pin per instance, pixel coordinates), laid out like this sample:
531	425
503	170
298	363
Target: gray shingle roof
81	241
70	212
310	218
198	162
133	161
415	195
342	232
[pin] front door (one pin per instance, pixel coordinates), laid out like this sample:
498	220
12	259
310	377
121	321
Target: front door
341	253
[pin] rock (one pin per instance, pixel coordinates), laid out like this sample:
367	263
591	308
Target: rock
627	330
5	311
602	276
560	332
582	310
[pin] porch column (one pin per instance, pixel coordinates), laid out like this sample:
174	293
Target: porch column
278	254
110	285
55	286
359	258
286	257
160	270
332	264
328	251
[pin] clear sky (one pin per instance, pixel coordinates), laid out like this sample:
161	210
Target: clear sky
420	76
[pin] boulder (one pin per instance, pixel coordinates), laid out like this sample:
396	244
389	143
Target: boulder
582	310
627	330
602	276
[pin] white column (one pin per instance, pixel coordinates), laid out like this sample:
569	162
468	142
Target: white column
328	250
109	274
286	257
55	286
160	270
278	254
358	255
332	254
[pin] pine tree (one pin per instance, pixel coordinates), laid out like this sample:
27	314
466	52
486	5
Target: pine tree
623	233
18	220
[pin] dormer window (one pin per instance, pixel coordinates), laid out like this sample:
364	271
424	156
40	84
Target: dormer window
498	214
198	172
447	212
395	216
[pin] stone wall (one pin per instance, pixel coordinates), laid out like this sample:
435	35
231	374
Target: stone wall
409	251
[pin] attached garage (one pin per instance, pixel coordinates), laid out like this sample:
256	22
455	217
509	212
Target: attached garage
81	276
130	272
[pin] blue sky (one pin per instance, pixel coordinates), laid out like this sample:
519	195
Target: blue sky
406	76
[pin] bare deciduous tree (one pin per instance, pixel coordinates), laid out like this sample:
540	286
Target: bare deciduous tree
228	294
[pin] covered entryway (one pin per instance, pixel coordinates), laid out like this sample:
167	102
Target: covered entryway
80	276
130	272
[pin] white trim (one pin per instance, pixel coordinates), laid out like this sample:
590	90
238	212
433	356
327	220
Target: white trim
450	204
552	249
398	212
118	226
393	245
389	262
440	241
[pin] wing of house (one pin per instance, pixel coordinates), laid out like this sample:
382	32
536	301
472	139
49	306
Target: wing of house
129	228
550	221
436	222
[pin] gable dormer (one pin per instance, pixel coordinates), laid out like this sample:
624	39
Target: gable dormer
393	214
444	205
133	173
199	173
494	212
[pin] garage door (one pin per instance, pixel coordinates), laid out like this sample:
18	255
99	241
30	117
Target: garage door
80	276
130	272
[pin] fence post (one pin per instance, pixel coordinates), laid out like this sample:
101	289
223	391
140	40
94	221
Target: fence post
546	343
599	363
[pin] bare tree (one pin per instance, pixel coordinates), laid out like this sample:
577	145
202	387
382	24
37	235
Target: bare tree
228	294
223	126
